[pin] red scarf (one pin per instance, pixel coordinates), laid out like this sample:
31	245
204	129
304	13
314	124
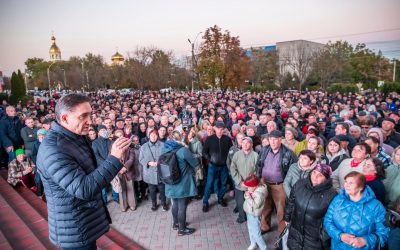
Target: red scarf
354	164
370	178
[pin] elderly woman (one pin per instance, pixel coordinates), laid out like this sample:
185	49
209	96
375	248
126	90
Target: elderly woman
335	154
355	218
290	138
148	158
306	208
392	181
377	133
359	155
374	173
196	148
299	170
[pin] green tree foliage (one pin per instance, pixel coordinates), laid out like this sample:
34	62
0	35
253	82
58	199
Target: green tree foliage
222	63
18	89
264	66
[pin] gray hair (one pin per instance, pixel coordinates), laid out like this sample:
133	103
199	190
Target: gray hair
68	103
355	127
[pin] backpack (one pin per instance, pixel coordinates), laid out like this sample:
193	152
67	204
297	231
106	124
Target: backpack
168	168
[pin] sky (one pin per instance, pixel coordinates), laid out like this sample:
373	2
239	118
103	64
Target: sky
102	26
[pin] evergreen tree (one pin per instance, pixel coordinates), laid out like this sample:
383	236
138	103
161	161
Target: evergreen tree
18	89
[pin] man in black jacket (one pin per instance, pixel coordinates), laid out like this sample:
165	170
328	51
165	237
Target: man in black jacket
10	132
216	150
272	166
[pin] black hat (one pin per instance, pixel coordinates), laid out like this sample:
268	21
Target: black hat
275	134
321	120
389	120
119	120
100	127
47	121
220	124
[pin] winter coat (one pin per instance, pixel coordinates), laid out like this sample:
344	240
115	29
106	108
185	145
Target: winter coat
364	218
129	161
294	174
305	210
186	187
254	204
231	152
379	189
287	158
335	160
138	167
29	136
35	150
392	183
10	132
18	169
150	152
216	149
73	182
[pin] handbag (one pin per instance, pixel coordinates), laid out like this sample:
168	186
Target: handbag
116	184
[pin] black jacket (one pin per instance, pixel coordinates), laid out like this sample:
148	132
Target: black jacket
305	210
10	132
101	148
287	159
216	150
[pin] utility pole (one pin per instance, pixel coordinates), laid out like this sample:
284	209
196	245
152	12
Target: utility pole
48	76
394	70
194	62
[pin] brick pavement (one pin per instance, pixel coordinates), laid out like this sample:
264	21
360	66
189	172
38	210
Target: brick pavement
216	229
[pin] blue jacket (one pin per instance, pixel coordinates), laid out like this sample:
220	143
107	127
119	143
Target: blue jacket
72	182
364	218
186	187
10	132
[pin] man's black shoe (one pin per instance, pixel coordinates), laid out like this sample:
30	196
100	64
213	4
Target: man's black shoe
164	207
186	231
240	220
222	203
205	208
236	210
176	226
154	208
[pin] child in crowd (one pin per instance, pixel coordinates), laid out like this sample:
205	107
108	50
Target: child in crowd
253	206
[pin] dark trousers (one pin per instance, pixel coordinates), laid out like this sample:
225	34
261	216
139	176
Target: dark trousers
39	184
89	246
153	193
179	206
140	189
239	198
217	176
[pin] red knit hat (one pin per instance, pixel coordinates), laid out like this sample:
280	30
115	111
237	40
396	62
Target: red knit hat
251	181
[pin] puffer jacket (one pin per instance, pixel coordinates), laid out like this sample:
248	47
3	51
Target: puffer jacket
305	210
186	187
287	158
72	182
364	218
294	174
254	204
10	132
150	152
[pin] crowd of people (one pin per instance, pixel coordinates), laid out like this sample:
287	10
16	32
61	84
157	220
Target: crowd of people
327	164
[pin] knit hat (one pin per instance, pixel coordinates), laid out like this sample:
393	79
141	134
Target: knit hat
251	181
41	132
19	151
324	169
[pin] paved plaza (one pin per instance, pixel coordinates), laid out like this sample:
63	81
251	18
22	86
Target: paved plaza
216	229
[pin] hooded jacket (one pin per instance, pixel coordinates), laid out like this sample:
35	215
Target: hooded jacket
364	218
305	211
186	187
254	204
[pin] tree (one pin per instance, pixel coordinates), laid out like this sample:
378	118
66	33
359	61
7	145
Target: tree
222	63
264	66
18	89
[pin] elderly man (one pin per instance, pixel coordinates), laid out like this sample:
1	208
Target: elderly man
243	164
272	166
72	180
28	134
10	132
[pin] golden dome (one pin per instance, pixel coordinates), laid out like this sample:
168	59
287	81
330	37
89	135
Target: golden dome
54	51
117	57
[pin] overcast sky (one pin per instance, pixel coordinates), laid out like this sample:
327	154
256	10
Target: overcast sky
100	26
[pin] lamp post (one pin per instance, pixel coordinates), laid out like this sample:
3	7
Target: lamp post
65	79
194	62
48	76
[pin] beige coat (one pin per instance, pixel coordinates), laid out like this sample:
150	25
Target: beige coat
254	204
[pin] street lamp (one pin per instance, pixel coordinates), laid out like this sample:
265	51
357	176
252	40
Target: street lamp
48	76
194	62
65	79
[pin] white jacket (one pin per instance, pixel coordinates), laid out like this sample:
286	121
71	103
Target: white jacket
254	204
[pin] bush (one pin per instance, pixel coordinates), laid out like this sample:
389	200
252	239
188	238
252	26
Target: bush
343	88
263	88
390	87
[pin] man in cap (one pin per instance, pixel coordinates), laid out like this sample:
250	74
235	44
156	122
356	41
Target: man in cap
243	164
392	137
272	166
215	150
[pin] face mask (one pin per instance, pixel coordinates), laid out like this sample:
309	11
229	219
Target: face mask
40	140
106	135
